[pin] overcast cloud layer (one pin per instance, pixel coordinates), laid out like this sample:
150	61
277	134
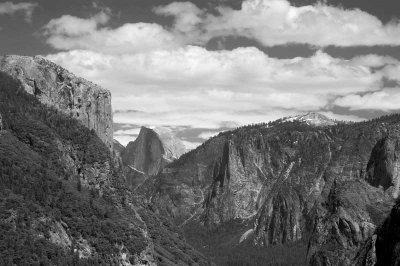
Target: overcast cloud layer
168	75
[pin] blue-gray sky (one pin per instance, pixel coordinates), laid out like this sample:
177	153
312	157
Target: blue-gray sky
207	65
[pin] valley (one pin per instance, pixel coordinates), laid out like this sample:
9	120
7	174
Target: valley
302	190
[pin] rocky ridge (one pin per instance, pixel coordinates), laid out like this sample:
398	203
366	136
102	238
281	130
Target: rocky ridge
149	153
284	178
312	119
145	154
382	248
56	87
64	191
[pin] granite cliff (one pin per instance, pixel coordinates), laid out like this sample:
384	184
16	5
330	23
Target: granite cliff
145	154
54	86
149	153
324	186
64	199
382	248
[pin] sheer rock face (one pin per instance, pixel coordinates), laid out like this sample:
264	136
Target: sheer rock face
351	213
384	166
284	179
382	248
151	151
154	241
58	88
145	153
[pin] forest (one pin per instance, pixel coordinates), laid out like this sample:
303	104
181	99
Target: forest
36	190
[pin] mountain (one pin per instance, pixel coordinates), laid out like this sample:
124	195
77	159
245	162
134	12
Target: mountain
64	199
312	119
317	191
382	247
56	87
152	150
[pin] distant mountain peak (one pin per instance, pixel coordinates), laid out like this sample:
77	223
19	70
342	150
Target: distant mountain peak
152	150
312	119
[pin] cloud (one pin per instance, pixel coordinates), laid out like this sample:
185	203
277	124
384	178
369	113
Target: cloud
194	87
270	22
10	8
277	22
342	117
208	134
173	83
190	145
69	33
386	99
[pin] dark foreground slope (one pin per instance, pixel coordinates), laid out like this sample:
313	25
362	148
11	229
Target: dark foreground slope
299	193
383	247
64	201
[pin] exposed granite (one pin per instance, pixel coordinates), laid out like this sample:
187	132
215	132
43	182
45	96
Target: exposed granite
284	179
145	154
57	87
382	248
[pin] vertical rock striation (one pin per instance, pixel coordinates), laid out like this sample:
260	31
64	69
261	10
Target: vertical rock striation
145	154
56	87
329	186
152	150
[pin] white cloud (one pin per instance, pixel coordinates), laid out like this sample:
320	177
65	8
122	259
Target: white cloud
124	139
154	70
69	33
387	99
10	8
341	117
194	87
190	145
208	134
130	131
277	22
270	22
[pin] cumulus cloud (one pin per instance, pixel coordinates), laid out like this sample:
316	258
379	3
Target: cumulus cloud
208	134
192	86
174	83
70	32
270	22
387	99
10	8
277	22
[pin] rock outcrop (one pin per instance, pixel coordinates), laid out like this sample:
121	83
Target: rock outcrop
383	168
284	178
349	216
382	248
315	119
145	154
311	119
151	151
58	88
64	198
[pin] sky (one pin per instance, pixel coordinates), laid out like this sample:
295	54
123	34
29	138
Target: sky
202	66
